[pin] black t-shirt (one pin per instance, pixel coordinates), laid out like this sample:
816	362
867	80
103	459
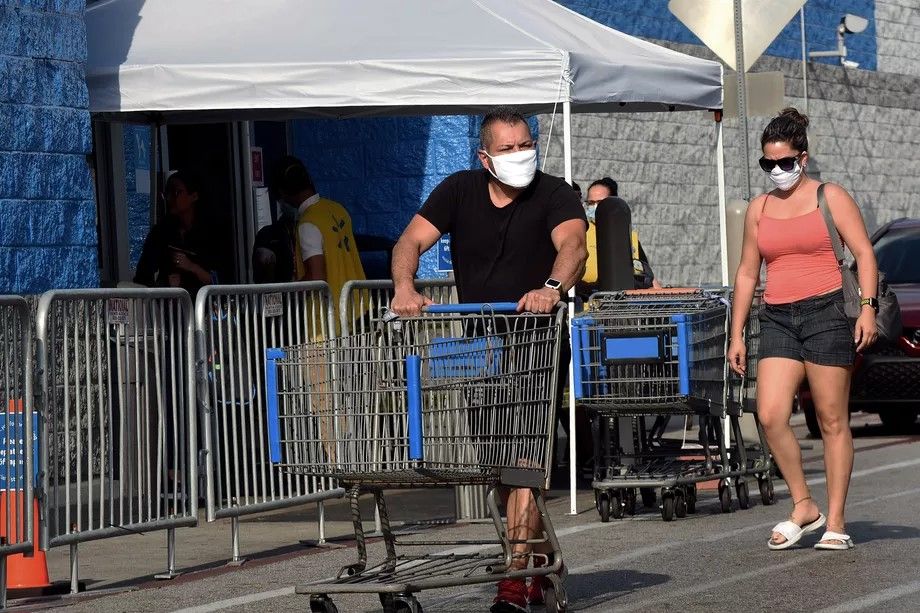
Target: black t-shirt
156	263
500	254
278	238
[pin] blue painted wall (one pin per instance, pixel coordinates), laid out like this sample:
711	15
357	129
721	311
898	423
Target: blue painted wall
382	170
138	203
47	205
652	19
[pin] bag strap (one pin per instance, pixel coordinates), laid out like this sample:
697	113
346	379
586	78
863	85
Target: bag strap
836	243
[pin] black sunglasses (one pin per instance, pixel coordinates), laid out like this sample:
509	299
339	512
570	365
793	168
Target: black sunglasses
785	164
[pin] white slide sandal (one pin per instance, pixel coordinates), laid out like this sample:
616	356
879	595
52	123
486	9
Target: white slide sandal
845	541
793	532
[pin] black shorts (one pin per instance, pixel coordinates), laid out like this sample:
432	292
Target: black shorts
812	330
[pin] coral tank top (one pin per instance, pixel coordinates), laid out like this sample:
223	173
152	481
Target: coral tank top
800	258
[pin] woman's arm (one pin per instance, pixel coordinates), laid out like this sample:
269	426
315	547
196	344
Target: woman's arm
746	279
852	229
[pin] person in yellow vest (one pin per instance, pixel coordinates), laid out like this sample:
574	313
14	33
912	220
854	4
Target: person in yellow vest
645	277
325	248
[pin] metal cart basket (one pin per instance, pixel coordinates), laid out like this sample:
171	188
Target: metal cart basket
652	353
461	395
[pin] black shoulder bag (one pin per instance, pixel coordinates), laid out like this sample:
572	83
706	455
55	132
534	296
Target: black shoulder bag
888	318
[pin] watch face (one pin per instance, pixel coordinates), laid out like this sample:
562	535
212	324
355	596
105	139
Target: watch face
553	283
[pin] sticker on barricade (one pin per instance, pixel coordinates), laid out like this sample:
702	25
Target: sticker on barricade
12	457
272	305
117	311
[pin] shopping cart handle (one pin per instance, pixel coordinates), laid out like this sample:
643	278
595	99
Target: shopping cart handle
473	307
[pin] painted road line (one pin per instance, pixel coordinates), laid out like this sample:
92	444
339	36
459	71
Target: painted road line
224	604
871	601
672	595
238	601
619	560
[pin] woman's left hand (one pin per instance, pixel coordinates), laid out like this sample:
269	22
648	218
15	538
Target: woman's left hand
866	331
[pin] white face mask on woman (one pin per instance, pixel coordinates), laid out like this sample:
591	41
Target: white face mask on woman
786	179
515	169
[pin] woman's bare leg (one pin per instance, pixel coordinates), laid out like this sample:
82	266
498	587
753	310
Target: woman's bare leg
778	380
830	390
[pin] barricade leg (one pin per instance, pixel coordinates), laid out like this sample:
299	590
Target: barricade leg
74	569
235	559
2	582
321	523
170	557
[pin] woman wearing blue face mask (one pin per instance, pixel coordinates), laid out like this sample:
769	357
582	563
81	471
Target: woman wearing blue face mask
804	330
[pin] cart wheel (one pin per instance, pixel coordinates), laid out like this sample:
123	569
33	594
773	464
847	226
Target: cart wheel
767	495
680	504
691	499
603	506
320	603
405	603
667	506
725	497
744	497
387	602
616	504
629	501
648	497
555	602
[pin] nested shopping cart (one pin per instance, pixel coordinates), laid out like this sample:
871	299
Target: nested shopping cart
462	395
743	399
653	354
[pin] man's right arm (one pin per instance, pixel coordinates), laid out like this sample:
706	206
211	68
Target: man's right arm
417	238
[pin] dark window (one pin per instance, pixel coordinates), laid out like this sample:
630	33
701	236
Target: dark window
898	254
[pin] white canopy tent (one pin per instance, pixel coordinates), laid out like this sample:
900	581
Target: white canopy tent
169	61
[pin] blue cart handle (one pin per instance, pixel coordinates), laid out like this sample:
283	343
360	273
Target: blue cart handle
473	307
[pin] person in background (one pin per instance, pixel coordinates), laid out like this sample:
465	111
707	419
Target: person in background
804	330
598	191
518	235
273	254
325	242
180	250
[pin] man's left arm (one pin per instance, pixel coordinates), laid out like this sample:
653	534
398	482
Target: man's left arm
571	255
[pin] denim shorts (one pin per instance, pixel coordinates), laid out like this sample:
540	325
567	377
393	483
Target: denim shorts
813	330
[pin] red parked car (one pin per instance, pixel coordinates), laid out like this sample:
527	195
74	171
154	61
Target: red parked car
887	379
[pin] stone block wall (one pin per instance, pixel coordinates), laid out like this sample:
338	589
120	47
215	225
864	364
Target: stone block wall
47	206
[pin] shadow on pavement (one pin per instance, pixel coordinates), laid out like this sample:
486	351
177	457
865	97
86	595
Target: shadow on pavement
603	586
868	531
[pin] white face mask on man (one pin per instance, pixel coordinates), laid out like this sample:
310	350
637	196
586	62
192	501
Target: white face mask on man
786	179
515	169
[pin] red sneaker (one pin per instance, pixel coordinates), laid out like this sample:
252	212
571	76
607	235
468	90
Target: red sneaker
511	597
535	589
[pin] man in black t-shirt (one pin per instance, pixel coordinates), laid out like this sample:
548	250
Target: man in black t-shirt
516	235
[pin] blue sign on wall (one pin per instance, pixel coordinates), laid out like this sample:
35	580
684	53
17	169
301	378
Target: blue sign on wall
444	262
12	457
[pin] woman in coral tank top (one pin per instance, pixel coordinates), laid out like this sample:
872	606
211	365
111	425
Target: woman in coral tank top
804	332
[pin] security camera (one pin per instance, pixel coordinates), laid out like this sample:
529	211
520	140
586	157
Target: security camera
849	63
854	24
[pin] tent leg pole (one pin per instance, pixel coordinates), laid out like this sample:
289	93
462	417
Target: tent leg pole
573	438
723	225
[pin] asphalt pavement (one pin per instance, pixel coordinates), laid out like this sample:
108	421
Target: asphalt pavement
709	561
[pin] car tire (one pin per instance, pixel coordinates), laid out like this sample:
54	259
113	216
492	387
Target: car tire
811	418
898	419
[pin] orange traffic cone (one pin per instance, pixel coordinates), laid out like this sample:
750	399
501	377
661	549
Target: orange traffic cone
26	573
23	572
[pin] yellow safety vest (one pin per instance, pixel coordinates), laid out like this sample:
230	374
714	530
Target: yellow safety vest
590	275
343	263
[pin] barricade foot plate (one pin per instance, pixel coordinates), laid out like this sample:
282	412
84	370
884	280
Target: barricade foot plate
167	576
237	562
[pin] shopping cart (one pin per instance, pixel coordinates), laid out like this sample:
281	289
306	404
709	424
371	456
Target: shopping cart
756	458
462	395
656	353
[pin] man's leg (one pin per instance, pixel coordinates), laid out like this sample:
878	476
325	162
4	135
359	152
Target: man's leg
523	524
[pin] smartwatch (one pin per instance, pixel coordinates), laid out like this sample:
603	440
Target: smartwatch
554	284
872	302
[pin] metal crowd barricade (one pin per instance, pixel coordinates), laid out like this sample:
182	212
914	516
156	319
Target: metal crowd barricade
234	326
17	478
119	435
361	308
